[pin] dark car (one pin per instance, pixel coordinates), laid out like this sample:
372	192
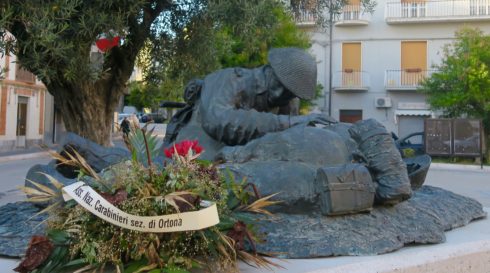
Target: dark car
153	117
414	141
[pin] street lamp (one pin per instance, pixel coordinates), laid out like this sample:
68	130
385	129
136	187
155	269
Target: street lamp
330	30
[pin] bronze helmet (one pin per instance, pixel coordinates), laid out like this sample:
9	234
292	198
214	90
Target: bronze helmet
295	69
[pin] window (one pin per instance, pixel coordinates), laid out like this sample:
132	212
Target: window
413	8
479	7
413	62
350	116
351	10
351	65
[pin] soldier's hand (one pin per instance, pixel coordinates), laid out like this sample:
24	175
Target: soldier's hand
320	118
313	119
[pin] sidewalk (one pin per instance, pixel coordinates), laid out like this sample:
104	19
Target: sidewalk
38	151
26	153
461	167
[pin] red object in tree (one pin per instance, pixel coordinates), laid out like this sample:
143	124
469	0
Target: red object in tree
182	148
104	44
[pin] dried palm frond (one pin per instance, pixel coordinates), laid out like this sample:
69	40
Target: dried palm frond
75	160
226	247
52	180
85	269
41	193
256	260
35	193
258	205
82	164
151	254
174	198
73	230
224	252
48	209
63	160
146	191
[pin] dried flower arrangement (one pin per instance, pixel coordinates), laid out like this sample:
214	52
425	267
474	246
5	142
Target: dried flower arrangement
79	241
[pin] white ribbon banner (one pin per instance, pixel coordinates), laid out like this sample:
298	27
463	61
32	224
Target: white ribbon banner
88	198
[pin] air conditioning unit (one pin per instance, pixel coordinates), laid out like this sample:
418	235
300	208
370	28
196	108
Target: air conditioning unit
382	102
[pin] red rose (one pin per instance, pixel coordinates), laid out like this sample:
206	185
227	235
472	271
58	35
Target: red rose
169	152
182	148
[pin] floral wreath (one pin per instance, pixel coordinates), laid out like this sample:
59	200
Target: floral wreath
78	241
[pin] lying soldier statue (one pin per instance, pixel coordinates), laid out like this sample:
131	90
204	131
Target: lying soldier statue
242	118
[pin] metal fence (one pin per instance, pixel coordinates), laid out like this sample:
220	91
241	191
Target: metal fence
437	9
304	16
407	78
354	12
454	137
351	79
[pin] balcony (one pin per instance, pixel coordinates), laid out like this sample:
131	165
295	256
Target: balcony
405	80
350	80
353	15
23	75
443	11
304	17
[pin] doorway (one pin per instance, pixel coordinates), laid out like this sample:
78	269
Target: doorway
350	116
21	131
410	124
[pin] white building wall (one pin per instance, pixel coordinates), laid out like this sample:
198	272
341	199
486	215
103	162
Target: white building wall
49	119
33	111
37	96
381	51
11	118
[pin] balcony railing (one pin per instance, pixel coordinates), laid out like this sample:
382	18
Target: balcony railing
408	79
304	17
437	11
350	80
353	15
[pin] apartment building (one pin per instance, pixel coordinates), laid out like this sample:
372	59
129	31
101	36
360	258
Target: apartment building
26	108
379	59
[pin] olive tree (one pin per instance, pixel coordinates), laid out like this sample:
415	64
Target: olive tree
53	39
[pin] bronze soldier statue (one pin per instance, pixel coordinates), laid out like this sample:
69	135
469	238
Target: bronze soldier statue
238	116
235	105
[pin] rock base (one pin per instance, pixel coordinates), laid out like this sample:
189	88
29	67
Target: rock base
420	220
18	223
423	219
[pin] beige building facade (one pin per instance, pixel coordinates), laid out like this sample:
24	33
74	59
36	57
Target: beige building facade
26	108
379	59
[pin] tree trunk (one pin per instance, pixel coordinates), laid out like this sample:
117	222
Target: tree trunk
88	109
